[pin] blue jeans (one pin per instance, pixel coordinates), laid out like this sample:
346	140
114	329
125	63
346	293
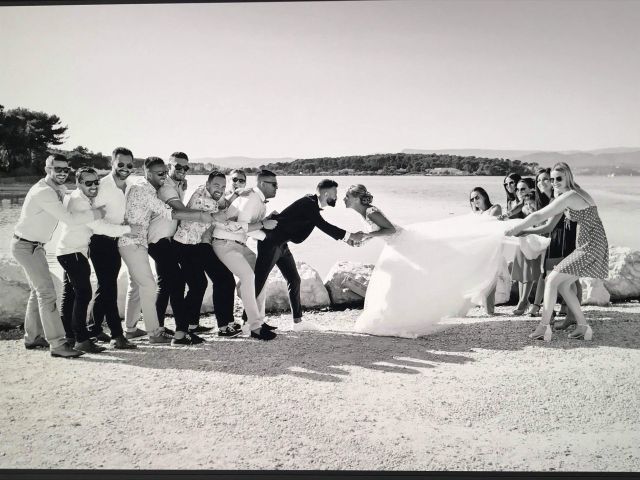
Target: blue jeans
42	315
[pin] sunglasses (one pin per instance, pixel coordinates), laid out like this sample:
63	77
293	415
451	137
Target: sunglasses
239	180
91	183
181	167
61	169
160	173
556	179
509	183
521	189
473	199
128	165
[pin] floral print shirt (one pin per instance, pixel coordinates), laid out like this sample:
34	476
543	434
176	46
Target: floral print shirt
142	204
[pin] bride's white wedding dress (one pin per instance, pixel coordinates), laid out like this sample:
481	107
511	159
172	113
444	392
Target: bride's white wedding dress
431	270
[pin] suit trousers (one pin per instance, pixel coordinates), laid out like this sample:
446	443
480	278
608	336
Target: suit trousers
270	254
41	317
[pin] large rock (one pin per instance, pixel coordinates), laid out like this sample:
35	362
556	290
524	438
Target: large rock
313	294
356	272
14	293
594	292
624	274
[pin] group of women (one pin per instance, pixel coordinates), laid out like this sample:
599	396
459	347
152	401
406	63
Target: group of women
458	257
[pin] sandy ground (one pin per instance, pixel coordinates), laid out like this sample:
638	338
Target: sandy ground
477	396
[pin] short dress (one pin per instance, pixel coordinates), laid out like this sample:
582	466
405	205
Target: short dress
590	259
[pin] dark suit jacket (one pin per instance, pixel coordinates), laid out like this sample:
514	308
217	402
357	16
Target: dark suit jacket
297	221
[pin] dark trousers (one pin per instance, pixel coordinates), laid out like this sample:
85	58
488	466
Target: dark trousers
200	260
170	283
76	295
270	254
104	255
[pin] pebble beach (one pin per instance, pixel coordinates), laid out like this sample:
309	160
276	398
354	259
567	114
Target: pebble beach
478	395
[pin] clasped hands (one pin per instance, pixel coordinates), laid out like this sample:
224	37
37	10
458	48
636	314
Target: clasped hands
356	239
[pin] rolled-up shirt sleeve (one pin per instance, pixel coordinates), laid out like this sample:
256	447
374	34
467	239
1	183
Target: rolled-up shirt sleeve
50	203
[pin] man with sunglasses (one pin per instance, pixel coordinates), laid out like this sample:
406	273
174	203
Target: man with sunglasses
171	282
142	204
73	253
103	246
230	245
41	211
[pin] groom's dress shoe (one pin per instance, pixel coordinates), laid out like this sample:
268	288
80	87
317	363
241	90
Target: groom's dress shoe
266	326
263	334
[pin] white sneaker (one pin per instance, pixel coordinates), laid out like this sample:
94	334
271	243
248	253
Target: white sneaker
305	326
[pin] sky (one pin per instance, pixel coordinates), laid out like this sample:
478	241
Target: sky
313	79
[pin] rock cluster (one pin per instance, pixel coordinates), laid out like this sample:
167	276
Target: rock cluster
344	286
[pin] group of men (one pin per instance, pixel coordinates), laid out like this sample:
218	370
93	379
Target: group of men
114	219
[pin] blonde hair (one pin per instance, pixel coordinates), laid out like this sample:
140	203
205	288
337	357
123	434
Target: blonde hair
564	168
361	192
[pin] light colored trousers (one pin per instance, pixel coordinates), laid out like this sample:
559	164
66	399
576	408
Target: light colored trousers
241	261
142	289
42	315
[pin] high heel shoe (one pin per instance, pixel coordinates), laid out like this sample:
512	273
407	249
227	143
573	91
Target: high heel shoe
542	332
535	310
520	311
582	332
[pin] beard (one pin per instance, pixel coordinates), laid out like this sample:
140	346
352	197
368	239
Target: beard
123	174
331	202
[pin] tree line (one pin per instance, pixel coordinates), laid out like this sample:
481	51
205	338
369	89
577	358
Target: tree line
27	137
404	163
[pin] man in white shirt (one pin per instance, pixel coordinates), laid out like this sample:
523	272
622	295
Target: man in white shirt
103	246
231	246
41	211
72	253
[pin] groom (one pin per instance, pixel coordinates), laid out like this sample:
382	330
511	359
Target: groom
295	224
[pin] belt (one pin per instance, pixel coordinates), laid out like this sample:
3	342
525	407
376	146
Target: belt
229	240
28	241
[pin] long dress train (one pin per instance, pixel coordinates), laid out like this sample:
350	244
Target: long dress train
431	270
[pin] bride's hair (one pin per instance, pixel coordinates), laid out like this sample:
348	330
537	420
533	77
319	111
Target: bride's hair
361	192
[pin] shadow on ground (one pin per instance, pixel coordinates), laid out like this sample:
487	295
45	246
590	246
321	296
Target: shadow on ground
327	355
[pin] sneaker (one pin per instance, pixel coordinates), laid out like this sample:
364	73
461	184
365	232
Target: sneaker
168	331
188	339
121	343
102	337
39	342
138	333
229	332
264	334
65	351
89	347
200	329
162	337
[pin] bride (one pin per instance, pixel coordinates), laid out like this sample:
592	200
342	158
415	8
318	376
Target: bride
431	270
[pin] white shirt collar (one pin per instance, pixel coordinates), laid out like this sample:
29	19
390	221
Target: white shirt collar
260	194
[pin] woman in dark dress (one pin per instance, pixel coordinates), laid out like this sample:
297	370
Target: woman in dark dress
514	205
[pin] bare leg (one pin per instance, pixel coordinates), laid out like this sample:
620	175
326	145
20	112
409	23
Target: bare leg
550	295
571	299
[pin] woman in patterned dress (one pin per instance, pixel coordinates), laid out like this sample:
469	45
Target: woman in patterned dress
589	259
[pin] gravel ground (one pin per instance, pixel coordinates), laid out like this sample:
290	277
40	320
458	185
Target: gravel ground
477	396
